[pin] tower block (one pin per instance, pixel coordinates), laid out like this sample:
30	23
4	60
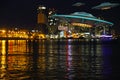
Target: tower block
42	20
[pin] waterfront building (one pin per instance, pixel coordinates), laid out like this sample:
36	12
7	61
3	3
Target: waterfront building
52	22
82	24
42	20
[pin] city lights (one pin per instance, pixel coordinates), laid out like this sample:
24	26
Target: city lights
50	24
81	25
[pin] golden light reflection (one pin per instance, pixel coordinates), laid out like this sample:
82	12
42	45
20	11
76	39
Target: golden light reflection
3	62
18	63
3	31
3	47
16	46
3	67
42	47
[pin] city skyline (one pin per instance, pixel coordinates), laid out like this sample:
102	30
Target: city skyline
24	13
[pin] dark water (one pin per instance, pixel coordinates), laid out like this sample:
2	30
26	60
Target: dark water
58	60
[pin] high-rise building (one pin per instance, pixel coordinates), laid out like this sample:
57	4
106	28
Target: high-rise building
42	19
52	22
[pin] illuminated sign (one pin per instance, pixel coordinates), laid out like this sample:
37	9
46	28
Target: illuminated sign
82	25
64	28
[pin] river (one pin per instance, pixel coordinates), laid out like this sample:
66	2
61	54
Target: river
65	59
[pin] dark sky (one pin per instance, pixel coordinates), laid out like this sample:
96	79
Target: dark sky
24	12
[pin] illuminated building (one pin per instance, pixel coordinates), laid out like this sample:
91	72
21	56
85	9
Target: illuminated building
52	22
83	24
42	20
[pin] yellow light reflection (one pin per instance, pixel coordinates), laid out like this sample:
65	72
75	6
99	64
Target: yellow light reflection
3	31
3	68
16	46
3	47
3	62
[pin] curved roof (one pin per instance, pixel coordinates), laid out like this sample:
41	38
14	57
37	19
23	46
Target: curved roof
83	15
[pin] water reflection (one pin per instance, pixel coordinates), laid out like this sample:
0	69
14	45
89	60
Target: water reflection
3	62
54	60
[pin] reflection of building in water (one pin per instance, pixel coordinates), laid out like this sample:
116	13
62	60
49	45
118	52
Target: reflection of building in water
52	57
69	61
15	46
3	60
92	61
3	46
3	67
18	62
11	62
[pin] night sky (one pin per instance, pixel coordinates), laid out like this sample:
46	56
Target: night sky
24	12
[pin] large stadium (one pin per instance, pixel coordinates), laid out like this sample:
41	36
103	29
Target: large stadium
82	25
